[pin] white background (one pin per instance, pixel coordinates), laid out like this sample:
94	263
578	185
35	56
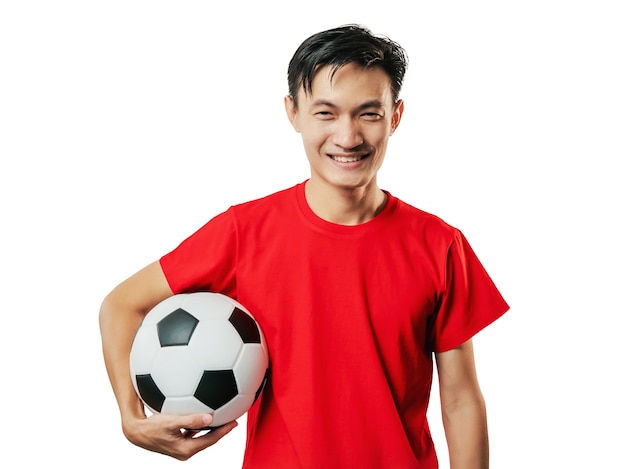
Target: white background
125	125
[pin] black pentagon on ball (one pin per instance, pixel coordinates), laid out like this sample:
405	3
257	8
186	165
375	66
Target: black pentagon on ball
149	392
176	328
245	326
216	388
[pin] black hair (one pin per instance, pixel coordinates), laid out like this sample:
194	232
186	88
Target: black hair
341	46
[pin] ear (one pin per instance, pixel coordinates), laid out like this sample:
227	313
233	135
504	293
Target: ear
397	115
292	112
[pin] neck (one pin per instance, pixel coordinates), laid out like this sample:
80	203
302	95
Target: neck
345	206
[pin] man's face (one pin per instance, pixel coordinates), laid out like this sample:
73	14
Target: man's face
345	124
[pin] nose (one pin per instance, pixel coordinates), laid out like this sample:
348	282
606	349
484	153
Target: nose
347	133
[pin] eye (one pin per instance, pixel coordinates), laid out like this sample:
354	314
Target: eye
324	115
371	116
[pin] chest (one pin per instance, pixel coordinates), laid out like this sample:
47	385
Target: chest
372	288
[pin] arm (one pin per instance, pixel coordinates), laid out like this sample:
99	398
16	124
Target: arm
463	409
120	315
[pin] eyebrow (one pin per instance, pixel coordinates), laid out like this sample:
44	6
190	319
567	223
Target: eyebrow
374	103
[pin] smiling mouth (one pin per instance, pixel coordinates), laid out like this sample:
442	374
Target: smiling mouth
347	159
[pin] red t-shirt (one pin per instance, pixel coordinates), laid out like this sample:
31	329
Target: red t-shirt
352	316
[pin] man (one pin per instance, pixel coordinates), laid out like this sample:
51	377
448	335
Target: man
354	289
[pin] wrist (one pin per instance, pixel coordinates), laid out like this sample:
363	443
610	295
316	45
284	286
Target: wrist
131	416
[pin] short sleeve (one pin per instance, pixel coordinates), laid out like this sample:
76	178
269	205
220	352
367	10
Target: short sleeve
470	300
206	260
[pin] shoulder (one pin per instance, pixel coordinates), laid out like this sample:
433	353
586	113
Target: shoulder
416	220
271	199
278	203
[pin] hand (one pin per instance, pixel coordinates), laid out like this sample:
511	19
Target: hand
170	434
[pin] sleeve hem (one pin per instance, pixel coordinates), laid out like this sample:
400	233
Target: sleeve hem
469	334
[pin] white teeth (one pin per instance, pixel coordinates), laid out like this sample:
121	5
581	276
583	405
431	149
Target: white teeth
346	159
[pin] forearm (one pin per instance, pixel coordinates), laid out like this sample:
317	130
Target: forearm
121	314
465	425
117	328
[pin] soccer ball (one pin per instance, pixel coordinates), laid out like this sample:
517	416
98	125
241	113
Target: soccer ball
199	353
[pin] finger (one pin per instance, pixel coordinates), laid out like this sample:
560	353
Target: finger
195	422
202	441
223	430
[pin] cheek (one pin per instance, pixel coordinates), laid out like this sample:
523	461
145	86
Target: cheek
314	138
378	139
309	144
